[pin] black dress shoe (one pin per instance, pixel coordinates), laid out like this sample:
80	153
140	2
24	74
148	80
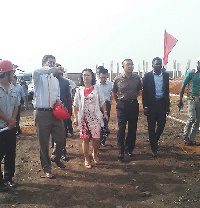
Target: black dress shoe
49	175
103	144
130	154
60	164
11	184
121	156
64	157
154	154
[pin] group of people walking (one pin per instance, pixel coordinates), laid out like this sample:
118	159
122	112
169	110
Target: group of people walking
91	111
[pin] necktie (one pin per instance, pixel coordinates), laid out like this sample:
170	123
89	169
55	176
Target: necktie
51	97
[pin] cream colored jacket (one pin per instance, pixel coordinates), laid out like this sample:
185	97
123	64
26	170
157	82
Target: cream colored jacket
79	103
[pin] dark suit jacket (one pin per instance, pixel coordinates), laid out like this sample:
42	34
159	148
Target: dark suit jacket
148	93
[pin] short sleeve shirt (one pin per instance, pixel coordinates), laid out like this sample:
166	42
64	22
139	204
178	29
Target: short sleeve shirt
8	101
127	88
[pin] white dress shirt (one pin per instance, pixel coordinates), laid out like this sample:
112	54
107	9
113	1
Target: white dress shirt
106	89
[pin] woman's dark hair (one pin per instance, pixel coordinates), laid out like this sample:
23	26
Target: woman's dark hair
93	77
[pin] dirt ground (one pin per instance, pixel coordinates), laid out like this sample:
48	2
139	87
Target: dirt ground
171	180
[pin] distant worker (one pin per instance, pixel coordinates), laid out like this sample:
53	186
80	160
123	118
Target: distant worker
156	102
106	87
65	97
72	86
70	130
46	95
25	88
8	111
191	128
97	72
126	88
21	95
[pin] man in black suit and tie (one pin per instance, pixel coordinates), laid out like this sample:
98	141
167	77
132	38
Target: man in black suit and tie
156	102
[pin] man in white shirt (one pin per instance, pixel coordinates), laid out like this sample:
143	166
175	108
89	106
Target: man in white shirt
21	95
106	87
72	86
46	122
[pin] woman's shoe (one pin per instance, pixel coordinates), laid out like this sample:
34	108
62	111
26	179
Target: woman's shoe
87	165
95	160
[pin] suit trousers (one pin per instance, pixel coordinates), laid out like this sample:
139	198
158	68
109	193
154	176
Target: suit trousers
108	109
7	151
46	124
68	126
127	112
156	123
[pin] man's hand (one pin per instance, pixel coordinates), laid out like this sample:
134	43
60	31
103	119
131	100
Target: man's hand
58	102
59	69
12	122
10	127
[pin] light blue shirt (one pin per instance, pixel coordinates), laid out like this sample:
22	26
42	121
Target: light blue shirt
41	87
20	92
8	101
158	80
106	89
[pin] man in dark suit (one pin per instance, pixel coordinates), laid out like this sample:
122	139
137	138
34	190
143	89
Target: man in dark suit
156	102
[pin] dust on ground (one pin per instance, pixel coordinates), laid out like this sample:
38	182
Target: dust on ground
170	180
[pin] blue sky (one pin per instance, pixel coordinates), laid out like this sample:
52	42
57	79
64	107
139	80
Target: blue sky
82	34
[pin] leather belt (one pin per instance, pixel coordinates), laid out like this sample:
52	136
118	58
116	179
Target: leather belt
129	101
44	109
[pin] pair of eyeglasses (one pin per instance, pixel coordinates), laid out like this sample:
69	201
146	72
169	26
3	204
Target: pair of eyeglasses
129	64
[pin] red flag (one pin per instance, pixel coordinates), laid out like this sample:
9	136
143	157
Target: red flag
169	43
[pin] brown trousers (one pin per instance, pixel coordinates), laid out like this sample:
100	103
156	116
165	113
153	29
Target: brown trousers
46	124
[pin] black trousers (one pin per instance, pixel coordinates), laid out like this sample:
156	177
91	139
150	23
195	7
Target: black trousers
108	109
68	126
7	151
156	123
127	111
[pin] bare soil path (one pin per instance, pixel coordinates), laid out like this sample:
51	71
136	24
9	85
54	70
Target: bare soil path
171	180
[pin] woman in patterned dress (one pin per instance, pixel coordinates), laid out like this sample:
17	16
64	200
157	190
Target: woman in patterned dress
87	115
